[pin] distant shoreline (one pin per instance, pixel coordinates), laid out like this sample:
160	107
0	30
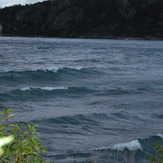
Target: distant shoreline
152	38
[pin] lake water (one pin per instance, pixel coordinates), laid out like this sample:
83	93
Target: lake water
92	99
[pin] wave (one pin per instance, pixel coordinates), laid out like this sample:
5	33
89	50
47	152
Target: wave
45	91
57	69
49	69
44	74
137	144
58	88
142	149
44	88
133	145
160	135
77	119
138	150
28	93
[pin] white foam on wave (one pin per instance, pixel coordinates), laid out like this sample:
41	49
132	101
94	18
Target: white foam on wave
25	89
160	135
77	68
44	88
56	69
52	69
132	146
53	88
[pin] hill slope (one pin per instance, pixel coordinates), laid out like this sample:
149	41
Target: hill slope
85	18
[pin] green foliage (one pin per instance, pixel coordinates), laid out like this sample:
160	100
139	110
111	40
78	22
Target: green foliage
157	157
26	146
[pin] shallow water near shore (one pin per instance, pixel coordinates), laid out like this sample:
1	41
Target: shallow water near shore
92	99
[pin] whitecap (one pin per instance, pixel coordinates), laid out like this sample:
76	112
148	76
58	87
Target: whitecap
53	88
132	146
77	68
52	69
44	88
25	89
160	135
56	69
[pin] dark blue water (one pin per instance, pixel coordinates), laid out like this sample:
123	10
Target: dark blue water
92	99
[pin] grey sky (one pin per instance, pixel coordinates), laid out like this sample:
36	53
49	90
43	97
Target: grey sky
4	3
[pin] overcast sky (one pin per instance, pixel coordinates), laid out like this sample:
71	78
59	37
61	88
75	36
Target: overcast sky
4	3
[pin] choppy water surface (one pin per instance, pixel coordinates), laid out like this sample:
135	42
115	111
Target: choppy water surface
91	98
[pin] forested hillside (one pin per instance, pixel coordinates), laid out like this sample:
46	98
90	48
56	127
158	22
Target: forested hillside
85	18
